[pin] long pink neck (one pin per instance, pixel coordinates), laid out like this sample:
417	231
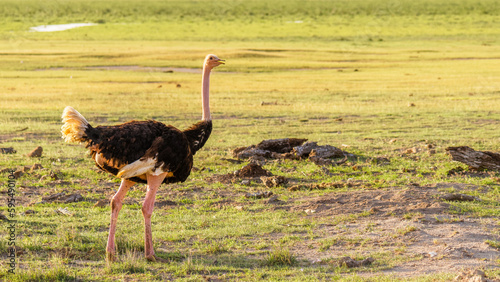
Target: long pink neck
205	89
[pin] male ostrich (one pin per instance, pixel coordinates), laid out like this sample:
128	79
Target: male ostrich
142	151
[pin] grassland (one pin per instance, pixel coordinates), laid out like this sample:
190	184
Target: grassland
379	77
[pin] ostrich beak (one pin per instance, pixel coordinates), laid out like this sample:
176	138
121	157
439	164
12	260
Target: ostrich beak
220	61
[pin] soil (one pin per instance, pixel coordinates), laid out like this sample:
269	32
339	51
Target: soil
440	241
368	221
437	240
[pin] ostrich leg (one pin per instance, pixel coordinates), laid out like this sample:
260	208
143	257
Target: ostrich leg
154	183
116	205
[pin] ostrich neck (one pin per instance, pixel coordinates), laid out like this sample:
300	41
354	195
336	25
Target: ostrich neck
205	90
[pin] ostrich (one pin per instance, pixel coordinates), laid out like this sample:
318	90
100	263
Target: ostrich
142	151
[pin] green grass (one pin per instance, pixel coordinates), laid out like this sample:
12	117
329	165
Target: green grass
336	72
280	257
494	244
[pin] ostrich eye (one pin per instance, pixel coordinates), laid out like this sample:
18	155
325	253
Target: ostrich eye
211	58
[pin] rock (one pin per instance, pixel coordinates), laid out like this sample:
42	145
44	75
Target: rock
290	156
290	148
259	195
310	211
304	150
53	175
52	197
64	211
71	198
312	149
272	148
356	167
9	150
62	198
18	173
326	152
281	146
258	160
477	160
273	181
36	167
413	150
320	161
238	150
350	263
267	181
36	153
29	212
245	182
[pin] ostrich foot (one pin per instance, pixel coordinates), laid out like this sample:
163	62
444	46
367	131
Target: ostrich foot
154	258
110	257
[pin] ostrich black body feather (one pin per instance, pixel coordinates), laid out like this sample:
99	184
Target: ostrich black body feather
113	147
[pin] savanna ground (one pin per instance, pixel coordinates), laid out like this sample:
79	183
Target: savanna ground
393	83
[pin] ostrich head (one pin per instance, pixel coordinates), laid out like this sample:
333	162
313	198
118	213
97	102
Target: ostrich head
211	61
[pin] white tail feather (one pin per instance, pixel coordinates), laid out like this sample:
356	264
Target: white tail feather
74	125
136	168
141	167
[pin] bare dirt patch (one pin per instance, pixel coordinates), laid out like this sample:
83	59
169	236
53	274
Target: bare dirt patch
412	222
432	246
378	202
